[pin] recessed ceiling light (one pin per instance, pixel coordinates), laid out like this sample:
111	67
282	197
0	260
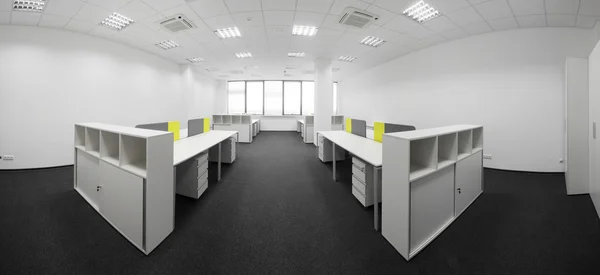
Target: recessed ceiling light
347	58
421	12
116	21
304	30
195	60
296	54
31	5
372	41
228	33
212	69
243	55
167	44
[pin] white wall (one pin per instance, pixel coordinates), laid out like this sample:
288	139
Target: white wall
203	93
51	79
594	102
511	82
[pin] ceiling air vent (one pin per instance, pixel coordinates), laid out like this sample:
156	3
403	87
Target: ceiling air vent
177	23
357	18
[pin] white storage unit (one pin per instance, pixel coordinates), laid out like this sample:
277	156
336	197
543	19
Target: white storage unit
192	176
431	176
337	123
255	127
325	150
306	128
243	124
362	182
126	174
228	151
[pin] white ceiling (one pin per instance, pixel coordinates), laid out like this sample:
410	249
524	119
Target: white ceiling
266	27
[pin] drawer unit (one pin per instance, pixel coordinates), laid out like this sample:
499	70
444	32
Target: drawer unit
362	181
202	188
203	177
202	157
202	167
191	176
228	151
360	197
358	173
359	163
325	148
361	186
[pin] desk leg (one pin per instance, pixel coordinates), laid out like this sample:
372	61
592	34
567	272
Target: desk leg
334	174
219	165
375	196
174	191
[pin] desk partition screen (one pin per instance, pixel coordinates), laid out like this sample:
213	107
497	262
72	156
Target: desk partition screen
171	126
198	126
380	128
356	126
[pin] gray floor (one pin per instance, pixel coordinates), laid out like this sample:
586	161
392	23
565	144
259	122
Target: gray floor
277	211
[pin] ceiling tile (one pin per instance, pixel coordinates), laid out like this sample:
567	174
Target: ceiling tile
385	16
92	14
161	5
136	10
103	32
181	9
465	17
433	40
561	20
25	18
279	18
309	18
527	7
318	6
107	4
383	33
457	33
243	5
396	6
503	24
446	6
5	17
153	22
401	24
494	9
252	18
332	22
209	8
220	22
339	6
562	6
53	21
281	5
478	1
478	28
419	32
66	8
532	21
590	7
79	26
440	24
584	21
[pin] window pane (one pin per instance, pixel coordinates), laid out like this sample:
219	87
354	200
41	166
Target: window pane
237	98
273	98
308	98
254	97
291	97
335	91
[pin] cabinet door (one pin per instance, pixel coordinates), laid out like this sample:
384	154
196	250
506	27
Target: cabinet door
468	181
87	177
123	202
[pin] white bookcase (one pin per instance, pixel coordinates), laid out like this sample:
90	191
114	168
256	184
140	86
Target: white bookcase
241	123
430	177
337	123
126	174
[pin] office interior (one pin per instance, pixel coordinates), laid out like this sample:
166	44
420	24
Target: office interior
299	136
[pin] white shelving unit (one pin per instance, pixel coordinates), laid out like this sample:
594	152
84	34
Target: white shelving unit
217	119
241	123
126	174
337	123
227	119
430	177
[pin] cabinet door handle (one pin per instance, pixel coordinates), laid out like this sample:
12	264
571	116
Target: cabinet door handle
98	188
458	189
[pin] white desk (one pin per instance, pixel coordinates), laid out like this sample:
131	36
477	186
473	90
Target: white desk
187	148
365	149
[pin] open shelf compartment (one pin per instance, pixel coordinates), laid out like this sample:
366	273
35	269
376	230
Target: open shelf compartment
246	119
80	137
236	119
423	157
227	119
477	139
133	155
447	150
92	141
465	140
217	119
109	147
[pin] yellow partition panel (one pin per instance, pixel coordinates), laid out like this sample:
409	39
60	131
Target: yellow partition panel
174	128
378	130
206	125
349	125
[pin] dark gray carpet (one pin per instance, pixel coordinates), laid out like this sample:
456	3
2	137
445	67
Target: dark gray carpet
277	211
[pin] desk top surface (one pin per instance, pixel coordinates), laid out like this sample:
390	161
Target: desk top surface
301	121
255	121
187	148
364	148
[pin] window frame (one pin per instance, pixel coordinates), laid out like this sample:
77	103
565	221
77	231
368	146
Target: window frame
246	96
283	91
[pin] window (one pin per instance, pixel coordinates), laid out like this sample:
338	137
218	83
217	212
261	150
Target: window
292	97
335	94
237	97
308	97
274	98
254	97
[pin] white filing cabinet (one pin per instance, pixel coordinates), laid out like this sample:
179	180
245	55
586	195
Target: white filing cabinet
362	182
325	150
192	176
228	151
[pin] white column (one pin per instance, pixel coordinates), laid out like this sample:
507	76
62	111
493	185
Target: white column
187	96
323	96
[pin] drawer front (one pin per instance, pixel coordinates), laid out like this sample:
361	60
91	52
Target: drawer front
202	167
202	158
359	163
203	177
362	187
358	173
359	196
202	188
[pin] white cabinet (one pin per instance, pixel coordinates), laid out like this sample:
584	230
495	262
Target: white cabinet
325	150
363	182
88	177
469	174
244	124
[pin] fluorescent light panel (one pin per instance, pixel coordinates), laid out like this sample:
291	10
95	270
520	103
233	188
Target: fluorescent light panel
421	12
167	44
243	55
33	6
195	60
116	21
304	30
228	33
347	58
372	41
296	54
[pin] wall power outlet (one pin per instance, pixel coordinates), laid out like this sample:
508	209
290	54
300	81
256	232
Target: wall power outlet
487	156
8	157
